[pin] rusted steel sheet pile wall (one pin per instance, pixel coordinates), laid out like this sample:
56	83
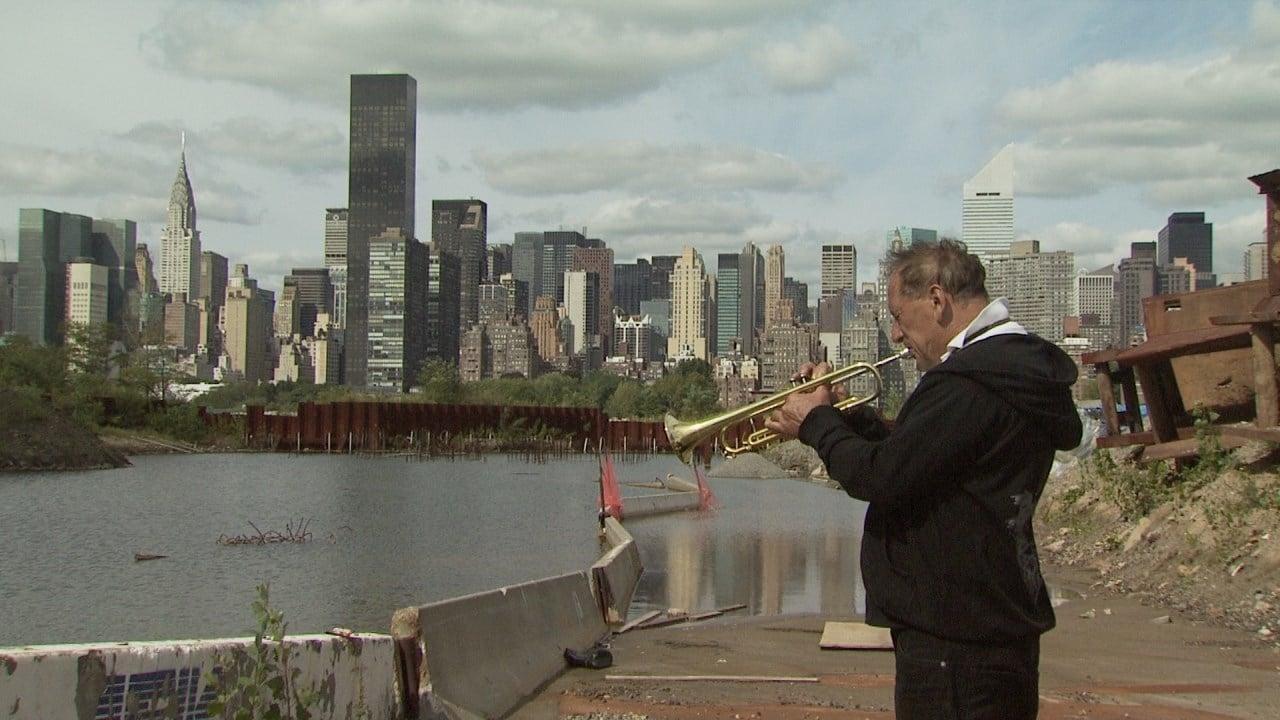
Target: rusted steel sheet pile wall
361	426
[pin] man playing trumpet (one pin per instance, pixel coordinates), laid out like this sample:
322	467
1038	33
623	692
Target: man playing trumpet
948	555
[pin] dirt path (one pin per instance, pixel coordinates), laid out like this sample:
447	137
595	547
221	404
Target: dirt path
1113	663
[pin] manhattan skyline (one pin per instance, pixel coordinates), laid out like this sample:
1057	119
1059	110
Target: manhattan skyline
658	126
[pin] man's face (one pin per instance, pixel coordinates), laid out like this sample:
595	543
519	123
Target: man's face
916	325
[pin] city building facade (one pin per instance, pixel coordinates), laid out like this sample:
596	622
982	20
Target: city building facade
987	212
1039	286
461	228
380	192
180	240
688	337
397	311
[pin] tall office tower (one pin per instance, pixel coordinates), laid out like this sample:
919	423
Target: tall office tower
526	265
557	257
839	269
213	292
1255	261
798	293
443	311
728	307
397	310
496	303
1040	286
1095	294
582	307
862	340
1180	277
518	294
910	236
659	314
145	269
775	272
115	243
380	192
660	268
247	312
545	324
461	228
631	285
1135	280
315	296
688	338
87	292
335	258
181	323
285	323
499	262
180	240
1187	235
8	289
987	215
47	240
633	337
783	349
598	260
213	277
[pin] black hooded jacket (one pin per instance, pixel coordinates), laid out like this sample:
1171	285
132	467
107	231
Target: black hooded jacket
948	547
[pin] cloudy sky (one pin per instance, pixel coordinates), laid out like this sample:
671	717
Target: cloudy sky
653	123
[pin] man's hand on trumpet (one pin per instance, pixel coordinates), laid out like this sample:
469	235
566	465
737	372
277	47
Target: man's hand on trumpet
786	420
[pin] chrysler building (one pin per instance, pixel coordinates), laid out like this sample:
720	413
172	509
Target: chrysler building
180	241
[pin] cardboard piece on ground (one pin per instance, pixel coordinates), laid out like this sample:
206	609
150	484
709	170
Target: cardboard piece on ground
854	636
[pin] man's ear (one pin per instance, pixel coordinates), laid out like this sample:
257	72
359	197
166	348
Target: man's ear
938	299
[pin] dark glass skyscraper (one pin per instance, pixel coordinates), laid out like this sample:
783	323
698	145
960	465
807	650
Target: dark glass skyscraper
526	265
1187	235
46	241
631	285
460	228
115	245
380	191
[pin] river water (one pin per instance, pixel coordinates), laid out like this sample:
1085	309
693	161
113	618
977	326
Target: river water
388	533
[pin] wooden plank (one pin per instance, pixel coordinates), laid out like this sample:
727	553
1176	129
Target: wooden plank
1245	319
1186	342
854	636
1182	449
1249	432
1099	357
1126	439
1132	407
1264	374
715	678
1158	409
1108	399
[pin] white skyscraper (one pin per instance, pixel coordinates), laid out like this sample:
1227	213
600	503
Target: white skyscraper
1095	293
987	221
180	240
839	269
688	307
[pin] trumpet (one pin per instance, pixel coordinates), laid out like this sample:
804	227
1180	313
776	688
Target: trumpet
685	437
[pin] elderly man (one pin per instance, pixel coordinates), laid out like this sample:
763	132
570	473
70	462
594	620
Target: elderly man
948	556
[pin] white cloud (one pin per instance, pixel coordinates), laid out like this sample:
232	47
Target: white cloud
811	62
301	148
1231	237
1185	133
646	168
492	55
124	184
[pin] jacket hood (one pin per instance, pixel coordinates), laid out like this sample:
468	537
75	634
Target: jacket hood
1031	374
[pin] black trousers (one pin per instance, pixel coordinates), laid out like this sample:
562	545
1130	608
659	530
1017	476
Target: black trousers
940	679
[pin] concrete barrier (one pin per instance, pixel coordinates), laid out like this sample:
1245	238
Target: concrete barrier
616	574
167	679
480	656
642	505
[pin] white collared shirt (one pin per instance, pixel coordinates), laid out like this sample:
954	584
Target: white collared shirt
995	311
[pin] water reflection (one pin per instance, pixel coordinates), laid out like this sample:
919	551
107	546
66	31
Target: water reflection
779	546
403	533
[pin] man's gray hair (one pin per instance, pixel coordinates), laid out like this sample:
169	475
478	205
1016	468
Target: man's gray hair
948	264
